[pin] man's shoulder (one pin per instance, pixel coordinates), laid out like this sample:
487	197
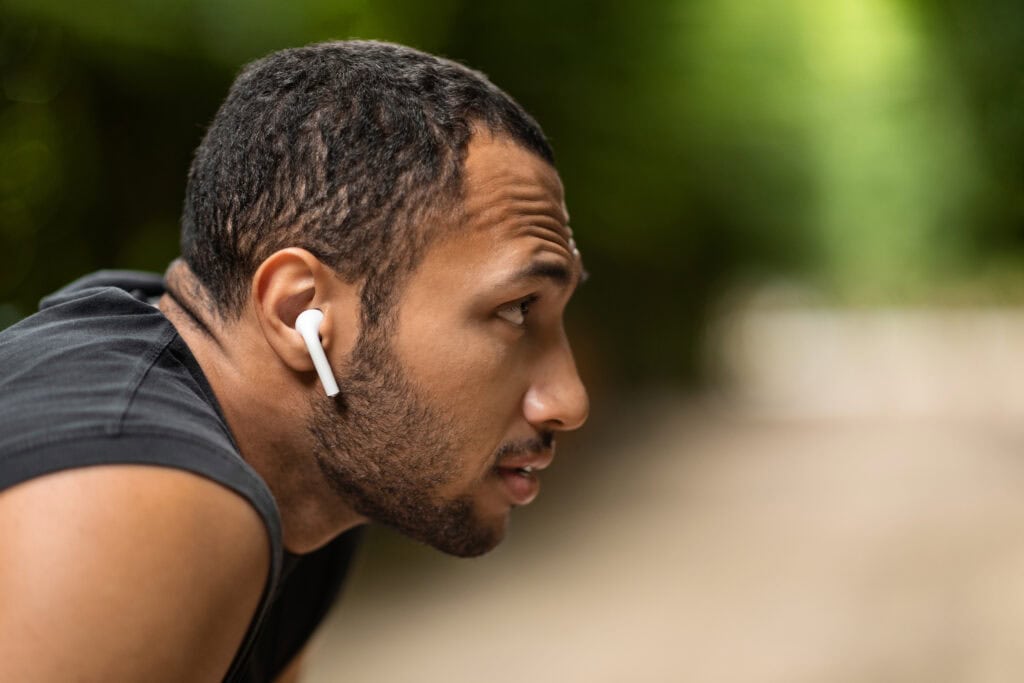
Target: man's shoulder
140	285
116	571
100	375
89	331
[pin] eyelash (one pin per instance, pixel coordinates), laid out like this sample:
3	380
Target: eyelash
522	307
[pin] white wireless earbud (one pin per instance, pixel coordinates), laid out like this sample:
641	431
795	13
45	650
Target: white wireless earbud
308	325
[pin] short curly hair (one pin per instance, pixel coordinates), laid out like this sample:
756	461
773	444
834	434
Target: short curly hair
349	149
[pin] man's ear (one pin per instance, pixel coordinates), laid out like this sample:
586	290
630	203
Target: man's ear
290	281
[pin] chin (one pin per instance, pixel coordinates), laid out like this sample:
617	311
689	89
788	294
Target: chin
475	549
470	540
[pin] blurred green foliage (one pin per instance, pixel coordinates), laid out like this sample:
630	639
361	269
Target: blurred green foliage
869	149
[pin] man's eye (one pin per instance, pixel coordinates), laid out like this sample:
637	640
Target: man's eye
516	311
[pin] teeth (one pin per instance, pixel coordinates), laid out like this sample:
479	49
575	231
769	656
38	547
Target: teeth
526	470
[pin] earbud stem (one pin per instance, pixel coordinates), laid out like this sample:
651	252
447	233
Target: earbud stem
308	325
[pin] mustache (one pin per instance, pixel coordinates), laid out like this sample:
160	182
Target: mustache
537	444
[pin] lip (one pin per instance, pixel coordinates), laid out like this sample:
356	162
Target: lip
520	487
519	474
537	461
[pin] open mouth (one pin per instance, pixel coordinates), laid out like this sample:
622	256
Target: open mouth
521	483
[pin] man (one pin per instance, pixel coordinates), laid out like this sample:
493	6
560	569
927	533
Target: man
178	489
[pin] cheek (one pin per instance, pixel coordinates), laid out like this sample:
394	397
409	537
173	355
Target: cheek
473	372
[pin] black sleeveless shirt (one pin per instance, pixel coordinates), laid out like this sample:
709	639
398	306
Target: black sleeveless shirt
100	376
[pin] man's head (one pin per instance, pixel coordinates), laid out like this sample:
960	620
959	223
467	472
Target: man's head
373	178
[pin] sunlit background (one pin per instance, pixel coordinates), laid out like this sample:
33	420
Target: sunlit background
803	333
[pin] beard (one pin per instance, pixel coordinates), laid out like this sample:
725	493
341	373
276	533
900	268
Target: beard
388	452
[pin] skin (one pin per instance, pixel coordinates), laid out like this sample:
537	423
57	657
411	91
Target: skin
473	381
90	593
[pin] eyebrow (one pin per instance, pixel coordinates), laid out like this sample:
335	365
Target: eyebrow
546	270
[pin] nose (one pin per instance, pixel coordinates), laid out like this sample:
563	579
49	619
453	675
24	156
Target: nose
557	399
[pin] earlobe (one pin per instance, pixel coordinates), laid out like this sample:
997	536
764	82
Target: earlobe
308	325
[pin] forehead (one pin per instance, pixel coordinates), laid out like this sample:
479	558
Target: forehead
504	180
513	210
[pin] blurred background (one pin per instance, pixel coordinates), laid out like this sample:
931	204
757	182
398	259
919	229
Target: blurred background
803	333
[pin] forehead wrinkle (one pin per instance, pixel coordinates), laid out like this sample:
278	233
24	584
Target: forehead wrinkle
517	210
548	235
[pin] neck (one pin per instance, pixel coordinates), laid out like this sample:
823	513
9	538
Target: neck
265	408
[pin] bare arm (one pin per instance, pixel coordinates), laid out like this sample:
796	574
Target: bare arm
293	672
126	573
